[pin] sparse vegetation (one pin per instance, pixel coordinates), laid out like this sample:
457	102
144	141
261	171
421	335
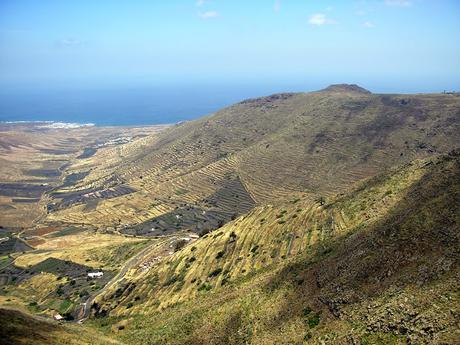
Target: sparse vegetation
363	266
270	282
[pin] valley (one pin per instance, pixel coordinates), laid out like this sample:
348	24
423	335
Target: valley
329	217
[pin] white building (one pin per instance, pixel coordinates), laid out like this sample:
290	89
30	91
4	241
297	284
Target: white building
95	274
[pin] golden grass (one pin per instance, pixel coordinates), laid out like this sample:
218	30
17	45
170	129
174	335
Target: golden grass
38	287
82	248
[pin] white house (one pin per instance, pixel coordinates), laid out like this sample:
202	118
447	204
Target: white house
95	274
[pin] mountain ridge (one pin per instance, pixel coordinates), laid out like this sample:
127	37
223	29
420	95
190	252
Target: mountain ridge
303	143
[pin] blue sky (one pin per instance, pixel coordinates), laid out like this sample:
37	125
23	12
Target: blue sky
405	45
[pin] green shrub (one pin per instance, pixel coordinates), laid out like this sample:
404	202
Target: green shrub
313	320
179	245
215	273
306	311
204	287
59	290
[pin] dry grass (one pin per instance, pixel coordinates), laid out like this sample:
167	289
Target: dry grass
20	328
86	248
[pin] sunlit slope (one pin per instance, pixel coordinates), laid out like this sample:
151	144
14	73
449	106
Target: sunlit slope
268	234
277	147
363	266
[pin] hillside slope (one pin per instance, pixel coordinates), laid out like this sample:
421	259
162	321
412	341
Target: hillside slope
377	265
200	174
19	328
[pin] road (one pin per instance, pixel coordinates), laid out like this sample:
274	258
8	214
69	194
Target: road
83	311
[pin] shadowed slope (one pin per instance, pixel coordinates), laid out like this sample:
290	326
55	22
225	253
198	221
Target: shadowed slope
20	328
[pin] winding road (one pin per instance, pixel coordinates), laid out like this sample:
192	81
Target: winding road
82	312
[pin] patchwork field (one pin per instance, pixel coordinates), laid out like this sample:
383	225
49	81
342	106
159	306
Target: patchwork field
35	158
52	275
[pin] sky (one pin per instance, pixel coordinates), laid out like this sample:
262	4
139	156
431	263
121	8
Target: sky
383	45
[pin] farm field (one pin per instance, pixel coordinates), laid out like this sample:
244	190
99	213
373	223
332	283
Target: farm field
35	158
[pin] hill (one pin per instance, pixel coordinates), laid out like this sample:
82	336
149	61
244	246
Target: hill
20	328
201	174
376	265
324	217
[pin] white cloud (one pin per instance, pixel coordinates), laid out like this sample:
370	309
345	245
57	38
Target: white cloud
208	14
200	3
70	42
317	19
368	24
320	19
277	5
399	3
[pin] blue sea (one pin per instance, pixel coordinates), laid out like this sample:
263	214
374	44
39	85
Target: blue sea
126	105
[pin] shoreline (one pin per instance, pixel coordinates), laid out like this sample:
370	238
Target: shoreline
46	124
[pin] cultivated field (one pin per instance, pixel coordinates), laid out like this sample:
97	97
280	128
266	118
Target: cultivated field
36	159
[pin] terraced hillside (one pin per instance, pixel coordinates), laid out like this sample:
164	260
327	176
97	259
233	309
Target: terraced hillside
271	148
377	265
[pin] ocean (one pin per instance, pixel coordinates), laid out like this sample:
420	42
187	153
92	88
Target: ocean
125	105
